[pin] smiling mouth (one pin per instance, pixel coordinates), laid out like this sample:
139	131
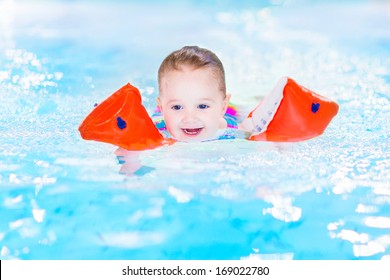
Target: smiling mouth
192	131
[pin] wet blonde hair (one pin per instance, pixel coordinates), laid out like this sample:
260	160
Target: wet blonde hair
196	58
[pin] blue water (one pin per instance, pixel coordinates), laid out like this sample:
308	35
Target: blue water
65	198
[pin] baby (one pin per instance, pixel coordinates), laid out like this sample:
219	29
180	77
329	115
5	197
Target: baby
193	106
192	101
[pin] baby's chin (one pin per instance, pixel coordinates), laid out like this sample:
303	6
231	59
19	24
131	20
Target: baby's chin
193	135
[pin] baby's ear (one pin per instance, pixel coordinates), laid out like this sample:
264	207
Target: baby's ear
226	103
159	103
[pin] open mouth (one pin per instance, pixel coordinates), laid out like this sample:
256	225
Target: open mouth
192	131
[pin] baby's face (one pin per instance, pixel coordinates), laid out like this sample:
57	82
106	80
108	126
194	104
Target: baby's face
192	104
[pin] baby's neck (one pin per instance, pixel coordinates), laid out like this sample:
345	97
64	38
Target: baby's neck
222	123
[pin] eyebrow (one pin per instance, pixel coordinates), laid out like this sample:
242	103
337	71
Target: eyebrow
173	101
201	100
207	99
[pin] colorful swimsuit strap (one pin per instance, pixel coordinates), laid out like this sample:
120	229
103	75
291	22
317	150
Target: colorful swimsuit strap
159	122
232	126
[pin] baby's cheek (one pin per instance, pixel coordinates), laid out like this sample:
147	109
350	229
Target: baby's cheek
212	129
173	129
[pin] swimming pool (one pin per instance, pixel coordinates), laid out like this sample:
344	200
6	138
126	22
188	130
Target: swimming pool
65	198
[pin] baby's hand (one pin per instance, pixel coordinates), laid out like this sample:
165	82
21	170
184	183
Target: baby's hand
246	125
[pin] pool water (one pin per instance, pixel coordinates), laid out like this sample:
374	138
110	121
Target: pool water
65	198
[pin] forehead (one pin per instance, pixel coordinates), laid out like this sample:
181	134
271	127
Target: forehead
188	78
188	70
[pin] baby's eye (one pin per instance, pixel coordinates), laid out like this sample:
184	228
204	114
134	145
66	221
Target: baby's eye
176	107
203	106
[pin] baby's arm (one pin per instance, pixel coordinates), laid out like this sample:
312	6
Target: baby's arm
289	113
259	118
246	125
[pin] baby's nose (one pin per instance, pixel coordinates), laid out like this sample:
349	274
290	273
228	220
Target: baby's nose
189	116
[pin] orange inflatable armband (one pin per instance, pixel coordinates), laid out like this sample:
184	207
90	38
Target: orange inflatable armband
122	120
290	113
